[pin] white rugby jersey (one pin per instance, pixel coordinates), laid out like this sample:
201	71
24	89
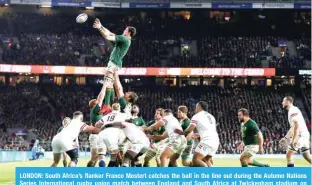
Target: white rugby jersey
73	129
134	133
206	125
294	113
171	123
114	116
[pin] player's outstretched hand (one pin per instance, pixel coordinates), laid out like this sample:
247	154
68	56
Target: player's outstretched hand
97	24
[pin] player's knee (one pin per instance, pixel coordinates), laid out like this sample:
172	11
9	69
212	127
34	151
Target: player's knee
75	160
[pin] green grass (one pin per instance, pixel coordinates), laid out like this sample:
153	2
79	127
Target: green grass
7	170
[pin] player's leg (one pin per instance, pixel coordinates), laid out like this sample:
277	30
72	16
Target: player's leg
65	159
304	143
247	157
150	154
93	139
187	155
174	160
57	150
175	146
73	155
56	159
132	154
204	152
102	150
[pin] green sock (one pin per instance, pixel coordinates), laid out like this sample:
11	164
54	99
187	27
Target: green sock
64	163
244	165
107	99
256	163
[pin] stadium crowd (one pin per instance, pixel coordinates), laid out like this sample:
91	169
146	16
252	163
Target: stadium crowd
57	40
52	103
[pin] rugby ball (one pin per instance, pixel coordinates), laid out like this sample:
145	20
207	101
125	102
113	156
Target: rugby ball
81	18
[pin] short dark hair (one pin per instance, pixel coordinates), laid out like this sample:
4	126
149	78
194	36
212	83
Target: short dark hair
167	111
244	111
290	99
133	97
77	113
203	105
132	31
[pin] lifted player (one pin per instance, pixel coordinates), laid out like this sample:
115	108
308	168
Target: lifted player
298	133
121	47
66	140
252	139
159	140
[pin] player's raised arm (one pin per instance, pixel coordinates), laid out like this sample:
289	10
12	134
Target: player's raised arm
90	129
101	96
118	87
104	31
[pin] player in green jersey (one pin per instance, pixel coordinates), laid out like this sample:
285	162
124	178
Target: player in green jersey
65	122
185	123
135	119
252	139
96	113
121	47
159	140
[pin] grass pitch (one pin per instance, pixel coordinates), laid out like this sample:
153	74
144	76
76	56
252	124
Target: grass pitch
7	170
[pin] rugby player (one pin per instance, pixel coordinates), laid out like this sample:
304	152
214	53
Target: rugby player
96	113
109	137
65	122
121	46
252	139
298	134
177	141
66	140
158	138
205	123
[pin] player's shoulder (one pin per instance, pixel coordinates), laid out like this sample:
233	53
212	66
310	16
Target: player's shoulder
294	109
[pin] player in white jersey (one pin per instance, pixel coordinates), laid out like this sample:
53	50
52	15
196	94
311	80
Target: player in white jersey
139	142
109	137
177	140
66	140
205	123
298	134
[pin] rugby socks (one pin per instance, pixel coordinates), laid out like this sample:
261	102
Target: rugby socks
64	163
291	165
256	163
170	165
244	165
146	164
138	164
111	164
102	163
91	164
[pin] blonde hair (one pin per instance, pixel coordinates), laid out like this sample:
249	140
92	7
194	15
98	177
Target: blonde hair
66	121
116	106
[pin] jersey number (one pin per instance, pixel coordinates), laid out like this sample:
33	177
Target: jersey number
110	118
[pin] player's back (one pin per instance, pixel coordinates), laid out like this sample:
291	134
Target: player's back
171	124
206	125
133	132
72	130
121	47
114	116
295	113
